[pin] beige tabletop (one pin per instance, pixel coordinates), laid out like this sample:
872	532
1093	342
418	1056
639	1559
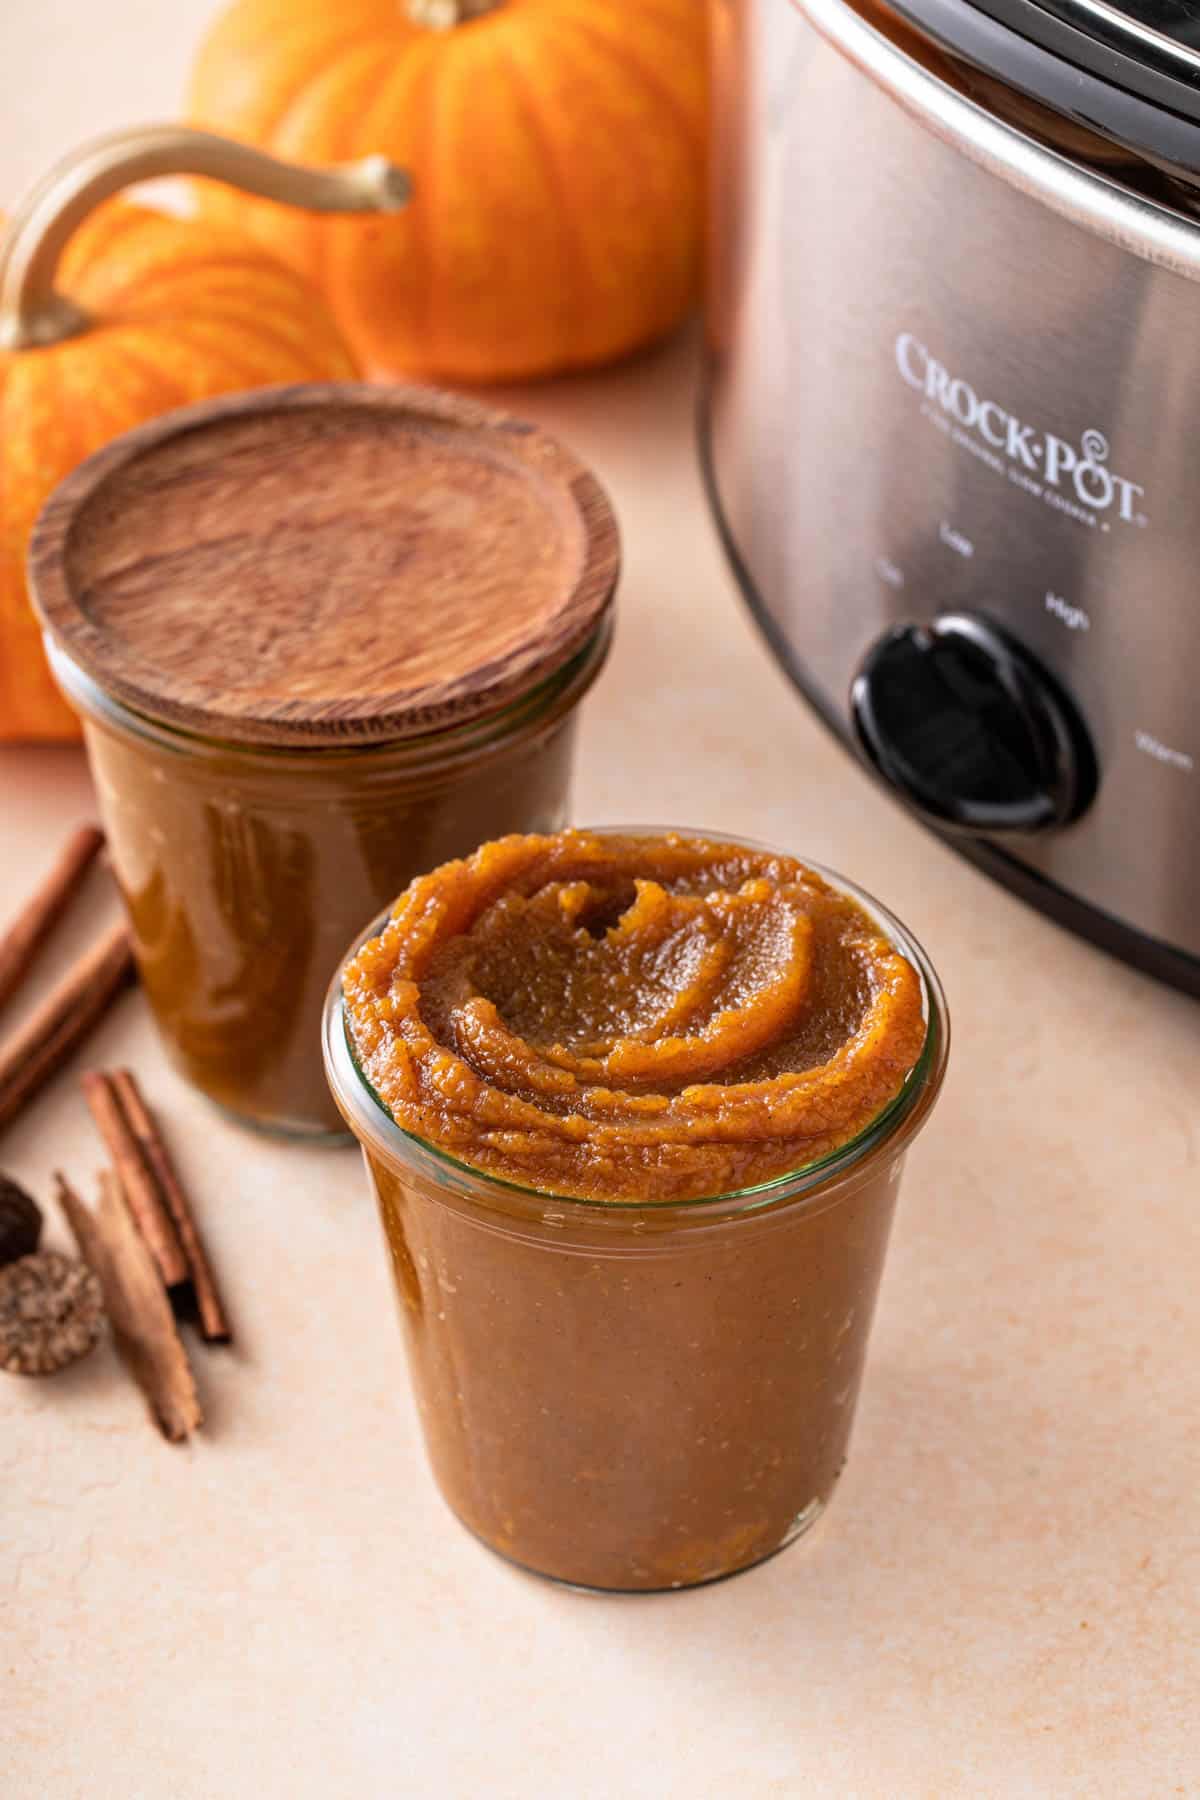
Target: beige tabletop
1005	1597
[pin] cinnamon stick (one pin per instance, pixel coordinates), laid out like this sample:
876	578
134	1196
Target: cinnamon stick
47	1038
137	1305
20	943
138	1184
214	1320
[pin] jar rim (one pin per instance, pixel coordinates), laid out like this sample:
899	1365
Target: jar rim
560	690
370	1118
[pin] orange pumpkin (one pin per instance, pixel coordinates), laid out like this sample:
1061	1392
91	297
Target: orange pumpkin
557	154
108	317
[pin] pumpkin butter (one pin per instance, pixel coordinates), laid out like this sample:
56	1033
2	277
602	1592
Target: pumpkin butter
624	1018
635	1109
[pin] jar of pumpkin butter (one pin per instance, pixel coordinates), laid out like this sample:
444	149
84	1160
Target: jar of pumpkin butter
635	1108
322	638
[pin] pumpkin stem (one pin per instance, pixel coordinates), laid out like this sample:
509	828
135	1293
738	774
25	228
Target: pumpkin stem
32	313
444	15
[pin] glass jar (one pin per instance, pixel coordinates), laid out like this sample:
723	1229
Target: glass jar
246	871
322	638
637	1397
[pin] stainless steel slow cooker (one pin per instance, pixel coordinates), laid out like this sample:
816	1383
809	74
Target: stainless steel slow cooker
952	426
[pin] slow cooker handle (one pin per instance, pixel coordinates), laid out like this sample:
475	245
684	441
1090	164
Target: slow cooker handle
977	736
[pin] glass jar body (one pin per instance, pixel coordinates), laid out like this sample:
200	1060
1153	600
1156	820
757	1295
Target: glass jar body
631	1395
247	872
645	1406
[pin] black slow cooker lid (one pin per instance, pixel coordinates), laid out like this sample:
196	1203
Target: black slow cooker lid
1130	73
1162	35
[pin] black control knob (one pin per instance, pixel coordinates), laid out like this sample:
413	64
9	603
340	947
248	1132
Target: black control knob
975	733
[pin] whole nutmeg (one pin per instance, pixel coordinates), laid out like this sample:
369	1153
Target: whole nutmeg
51	1313
20	1222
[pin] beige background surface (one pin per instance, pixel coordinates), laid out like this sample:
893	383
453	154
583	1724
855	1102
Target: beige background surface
1004	1599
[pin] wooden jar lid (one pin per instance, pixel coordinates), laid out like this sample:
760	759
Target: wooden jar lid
325	564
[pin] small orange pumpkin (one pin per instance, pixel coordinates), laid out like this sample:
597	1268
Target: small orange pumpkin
557	154
109	317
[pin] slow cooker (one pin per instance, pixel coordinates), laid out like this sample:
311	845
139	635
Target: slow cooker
952	421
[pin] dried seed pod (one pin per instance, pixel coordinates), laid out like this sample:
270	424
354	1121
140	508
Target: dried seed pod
20	1222
51	1313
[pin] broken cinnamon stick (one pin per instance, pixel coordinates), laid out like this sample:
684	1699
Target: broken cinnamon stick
214	1320
146	1203
20	943
43	1043
137	1305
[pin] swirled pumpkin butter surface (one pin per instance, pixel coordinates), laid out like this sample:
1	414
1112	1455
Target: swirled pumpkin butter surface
632	1018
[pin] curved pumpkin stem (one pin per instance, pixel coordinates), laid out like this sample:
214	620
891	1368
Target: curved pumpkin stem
33	313
444	15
